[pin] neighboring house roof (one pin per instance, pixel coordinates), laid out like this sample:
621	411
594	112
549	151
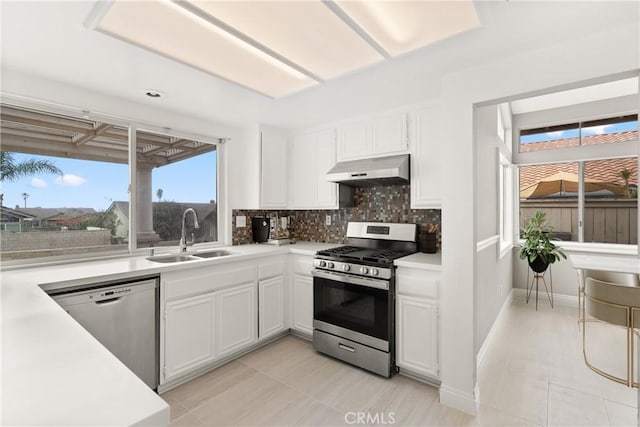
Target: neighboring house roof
6	212
600	170
202	209
57	214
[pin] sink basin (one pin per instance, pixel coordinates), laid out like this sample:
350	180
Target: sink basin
171	258
213	254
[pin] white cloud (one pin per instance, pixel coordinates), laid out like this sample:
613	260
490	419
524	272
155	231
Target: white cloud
556	134
70	180
596	130
38	183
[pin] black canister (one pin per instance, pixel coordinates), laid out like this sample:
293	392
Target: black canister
260	229
429	243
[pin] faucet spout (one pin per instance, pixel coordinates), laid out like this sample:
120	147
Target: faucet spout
183	235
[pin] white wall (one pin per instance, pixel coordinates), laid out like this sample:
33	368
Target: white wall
530	73
493	273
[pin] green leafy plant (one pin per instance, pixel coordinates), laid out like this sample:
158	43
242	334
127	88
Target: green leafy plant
537	241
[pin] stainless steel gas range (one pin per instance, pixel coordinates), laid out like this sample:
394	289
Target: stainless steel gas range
354	295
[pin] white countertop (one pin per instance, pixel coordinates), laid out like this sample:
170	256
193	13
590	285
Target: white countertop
55	373
615	263
422	261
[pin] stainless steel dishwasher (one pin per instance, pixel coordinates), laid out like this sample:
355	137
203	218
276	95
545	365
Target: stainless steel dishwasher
123	316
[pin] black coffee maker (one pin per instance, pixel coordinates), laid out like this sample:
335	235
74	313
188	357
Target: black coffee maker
260	229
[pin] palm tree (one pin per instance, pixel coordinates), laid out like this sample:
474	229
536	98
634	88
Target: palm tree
625	174
11	171
159	194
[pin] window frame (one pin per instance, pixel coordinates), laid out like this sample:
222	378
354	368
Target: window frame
581	113
132	125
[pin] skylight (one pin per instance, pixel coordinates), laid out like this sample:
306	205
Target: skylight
279	48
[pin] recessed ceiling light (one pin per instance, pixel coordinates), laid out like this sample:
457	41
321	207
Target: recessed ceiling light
156	94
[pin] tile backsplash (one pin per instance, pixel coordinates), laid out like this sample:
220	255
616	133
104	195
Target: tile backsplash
376	204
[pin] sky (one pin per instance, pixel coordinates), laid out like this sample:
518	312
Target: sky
91	184
573	133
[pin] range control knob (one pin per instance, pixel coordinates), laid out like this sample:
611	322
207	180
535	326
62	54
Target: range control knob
346	267
329	264
323	264
374	271
364	270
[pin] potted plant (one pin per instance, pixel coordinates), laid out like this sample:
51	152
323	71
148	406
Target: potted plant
538	248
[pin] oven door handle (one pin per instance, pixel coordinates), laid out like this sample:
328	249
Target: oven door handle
354	280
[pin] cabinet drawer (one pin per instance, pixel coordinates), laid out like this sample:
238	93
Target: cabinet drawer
417	282
302	264
271	267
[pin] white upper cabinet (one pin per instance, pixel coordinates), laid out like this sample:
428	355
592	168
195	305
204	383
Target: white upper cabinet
312	155
274	167
426	164
390	134
383	134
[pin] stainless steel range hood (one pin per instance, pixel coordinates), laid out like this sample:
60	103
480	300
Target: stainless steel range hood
375	171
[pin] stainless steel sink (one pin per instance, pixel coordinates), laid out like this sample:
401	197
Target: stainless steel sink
171	258
213	254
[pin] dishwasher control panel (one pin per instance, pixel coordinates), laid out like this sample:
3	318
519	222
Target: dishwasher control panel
111	293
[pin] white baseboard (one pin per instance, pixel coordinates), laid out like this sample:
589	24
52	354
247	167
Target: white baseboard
460	400
558	299
488	341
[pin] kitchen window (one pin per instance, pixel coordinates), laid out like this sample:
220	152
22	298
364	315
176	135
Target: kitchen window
589	195
66	180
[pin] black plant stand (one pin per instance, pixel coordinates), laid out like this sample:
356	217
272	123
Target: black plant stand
536	280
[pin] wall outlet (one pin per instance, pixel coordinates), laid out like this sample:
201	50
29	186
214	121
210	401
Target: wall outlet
241	221
327	220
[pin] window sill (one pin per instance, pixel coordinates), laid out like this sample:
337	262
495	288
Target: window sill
600	248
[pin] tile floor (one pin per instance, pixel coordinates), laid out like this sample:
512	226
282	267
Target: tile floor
533	375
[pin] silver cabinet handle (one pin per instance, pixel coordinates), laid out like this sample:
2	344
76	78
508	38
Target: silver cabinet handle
345	347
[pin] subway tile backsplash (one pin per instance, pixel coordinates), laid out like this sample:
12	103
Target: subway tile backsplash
376	204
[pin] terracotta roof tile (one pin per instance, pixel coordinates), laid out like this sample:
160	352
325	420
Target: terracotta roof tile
600	170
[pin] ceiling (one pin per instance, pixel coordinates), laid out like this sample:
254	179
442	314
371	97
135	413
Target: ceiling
279	48
47	40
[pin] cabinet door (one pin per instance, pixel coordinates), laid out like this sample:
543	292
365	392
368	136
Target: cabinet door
389	134
303	171
325	159
303	303
271	306
189	335
273	149
426	169
354	140
417	335
236	318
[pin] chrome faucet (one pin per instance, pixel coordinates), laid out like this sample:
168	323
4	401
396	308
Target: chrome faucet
183	235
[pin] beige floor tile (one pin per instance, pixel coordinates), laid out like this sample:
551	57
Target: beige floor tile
186	420
568	407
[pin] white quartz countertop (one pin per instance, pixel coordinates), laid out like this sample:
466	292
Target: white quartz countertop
422	261
54	372
615	263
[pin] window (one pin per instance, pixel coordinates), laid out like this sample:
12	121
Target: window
551	188
65	186
178	173
505	184
593	199
592	132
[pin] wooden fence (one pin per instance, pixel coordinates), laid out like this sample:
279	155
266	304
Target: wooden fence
605	221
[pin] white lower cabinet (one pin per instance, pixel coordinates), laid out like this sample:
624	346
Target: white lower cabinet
236	318
303	303
271	307
417	321
190	335
417	343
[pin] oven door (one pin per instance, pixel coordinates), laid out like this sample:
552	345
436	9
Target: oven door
355	307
